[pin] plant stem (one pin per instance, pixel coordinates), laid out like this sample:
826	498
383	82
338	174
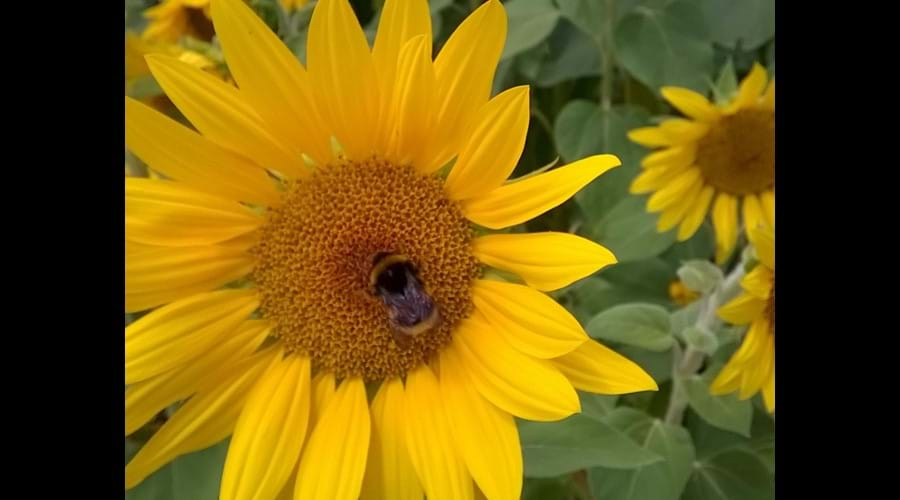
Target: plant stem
686	364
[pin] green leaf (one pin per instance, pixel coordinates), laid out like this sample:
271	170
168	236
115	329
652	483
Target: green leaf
657	364
726	412
567	54
596	405
701	339
663	480
726	85
553	448
666	45
195	476
700	276
702	245
530	22
748	23
583	129
684	317
630	231
733	474
641	325
541	489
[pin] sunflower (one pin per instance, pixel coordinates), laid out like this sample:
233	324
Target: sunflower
170	20
290	5
752	368
718	157
315	288
681	294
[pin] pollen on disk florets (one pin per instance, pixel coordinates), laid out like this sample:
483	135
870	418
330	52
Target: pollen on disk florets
738	154
315	257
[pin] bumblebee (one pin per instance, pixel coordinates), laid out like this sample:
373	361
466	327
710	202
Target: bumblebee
411	310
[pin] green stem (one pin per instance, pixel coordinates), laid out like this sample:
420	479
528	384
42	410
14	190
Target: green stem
686	364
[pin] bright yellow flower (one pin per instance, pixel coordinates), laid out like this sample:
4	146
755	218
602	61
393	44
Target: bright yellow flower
303	207
716	159
680	294
170	20
752	368
289	5
136	49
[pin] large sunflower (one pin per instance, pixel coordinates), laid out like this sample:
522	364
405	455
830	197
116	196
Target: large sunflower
317	289
752	368
717	158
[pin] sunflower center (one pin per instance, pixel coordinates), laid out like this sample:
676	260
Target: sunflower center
738	154
366	267
198	25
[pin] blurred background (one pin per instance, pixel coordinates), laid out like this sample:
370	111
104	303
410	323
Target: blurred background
595	68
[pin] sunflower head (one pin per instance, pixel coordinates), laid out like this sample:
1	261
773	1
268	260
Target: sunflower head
171	20
718	159
752	367
305	252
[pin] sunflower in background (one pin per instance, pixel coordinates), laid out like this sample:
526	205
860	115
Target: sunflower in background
316	290
752	368
720	159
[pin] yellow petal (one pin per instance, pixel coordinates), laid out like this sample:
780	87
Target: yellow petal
768	102
767	198
653	179
171	336
400	22
742	309
519	201
269	434
727	381
594	367
143	400
753	213
390	473
486	436
675	190
672	216
763	240
334	460
519	384
752	346
756	374
184	155
270	78
171	214
203	421
682	131
546	261
433	453
465	72
166	274
751	88
221	114
691	103
724	216
343	75
675	157
758	282
769	392
695	216
650	137
494	146
410	119
529	320
322	394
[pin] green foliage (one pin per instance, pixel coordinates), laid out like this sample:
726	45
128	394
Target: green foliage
595	68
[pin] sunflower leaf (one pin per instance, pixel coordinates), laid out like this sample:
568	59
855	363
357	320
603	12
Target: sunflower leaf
641	325
553	448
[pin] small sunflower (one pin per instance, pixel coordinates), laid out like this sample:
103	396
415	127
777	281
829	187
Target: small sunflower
717	158
681	294
752	368
316	290
170	20
290	5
